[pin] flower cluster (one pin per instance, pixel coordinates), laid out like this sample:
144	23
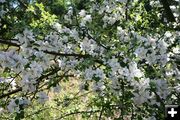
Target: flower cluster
121	63
15	105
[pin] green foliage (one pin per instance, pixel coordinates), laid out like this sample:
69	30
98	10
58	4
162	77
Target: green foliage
139	17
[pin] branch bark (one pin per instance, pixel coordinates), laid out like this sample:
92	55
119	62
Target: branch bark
10	93
9	42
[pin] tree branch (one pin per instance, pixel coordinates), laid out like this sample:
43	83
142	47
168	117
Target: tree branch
20	88
100	116
168	11
9	42
22	4
66	55
10	93
78	112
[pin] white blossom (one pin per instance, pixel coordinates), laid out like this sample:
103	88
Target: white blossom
134	71
176	50
99	73
28	83
88	73
56	89
1	110
58	27
74	34
122	1
98	86
2	1
61	63
141	52
114	64
86	44
42	97
13	107
36	69
82	13
141	97
86	19
162	88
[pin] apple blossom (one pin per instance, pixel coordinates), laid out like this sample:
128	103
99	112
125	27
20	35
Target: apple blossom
42	97
106	46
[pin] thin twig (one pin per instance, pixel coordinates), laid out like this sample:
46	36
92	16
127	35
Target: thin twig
100	116
78	112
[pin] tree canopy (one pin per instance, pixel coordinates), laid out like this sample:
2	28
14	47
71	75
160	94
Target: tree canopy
126	52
